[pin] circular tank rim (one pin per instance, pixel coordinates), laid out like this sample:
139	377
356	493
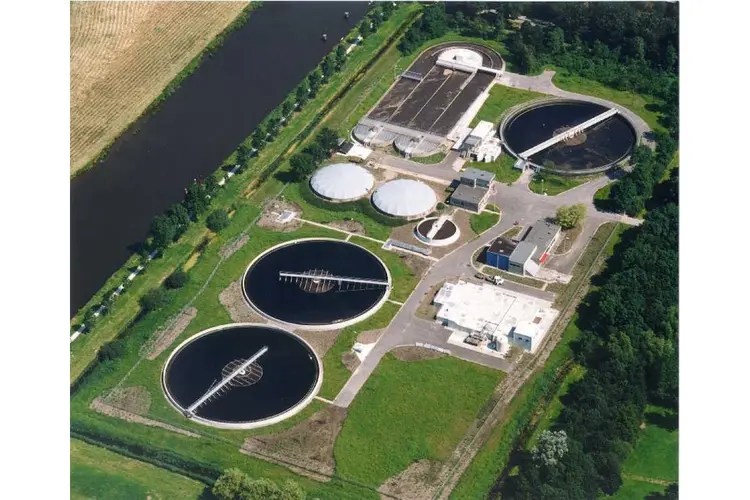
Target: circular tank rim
256	423
534	103
328	326
437	243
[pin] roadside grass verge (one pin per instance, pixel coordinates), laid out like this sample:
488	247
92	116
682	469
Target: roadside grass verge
642	105
554	184
430	160
335	373
483	221
237	192
404	279
99	473
656	451
502	168
493	456
409	411
501	99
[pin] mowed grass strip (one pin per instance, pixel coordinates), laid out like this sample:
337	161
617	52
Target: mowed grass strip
635	490
482	222
656	451
501	99
555	184
99	473
409	411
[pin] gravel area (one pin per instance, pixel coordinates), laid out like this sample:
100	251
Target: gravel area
234	302
350	361
271	212
416	482
351	226
370	336
320	341
132	399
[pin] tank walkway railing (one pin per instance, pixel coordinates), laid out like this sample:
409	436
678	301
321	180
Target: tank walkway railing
215	390
568	133
324	276
436	226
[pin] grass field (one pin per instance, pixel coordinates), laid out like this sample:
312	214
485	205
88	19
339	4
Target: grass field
123	54
502	168
409	411
655	453
500	100
99	473
556	184
482	222
642	105
430	160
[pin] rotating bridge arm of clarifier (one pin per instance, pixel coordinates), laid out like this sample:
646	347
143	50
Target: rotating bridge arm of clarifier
332	278
190	412
564	136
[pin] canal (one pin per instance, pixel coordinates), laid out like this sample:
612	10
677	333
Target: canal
150	165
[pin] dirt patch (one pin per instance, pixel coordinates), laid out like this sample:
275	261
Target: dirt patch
162	339
414	353
416	482
272	211
320	341
418	265
427	310
135	400
351	226
308	445
569	237
122	54
369	336
234	302
106	409
350	361
192	260
230	248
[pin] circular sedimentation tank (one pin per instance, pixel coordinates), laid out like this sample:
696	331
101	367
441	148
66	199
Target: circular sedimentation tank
275	386
446	233
318	301
406	198
596	149
342	182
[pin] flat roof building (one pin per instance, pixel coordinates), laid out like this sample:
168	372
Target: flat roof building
470	198
543	235
498	254
475	177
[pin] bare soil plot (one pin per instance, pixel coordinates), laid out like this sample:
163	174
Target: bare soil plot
123	54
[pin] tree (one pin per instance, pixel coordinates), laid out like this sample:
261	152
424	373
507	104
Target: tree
302	165
340	57
328	67
180	218
316	151
196	198
230	485
89	319
568	217
177	279
556	41
243	154
287	107
364	28
328	138
211	185
163	231
233	484
302	94
217	220
552	446
111	350
313	82
259	137
154	299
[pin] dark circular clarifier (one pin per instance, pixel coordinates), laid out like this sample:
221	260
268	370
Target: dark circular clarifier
604	144
277	382
447	230
289	302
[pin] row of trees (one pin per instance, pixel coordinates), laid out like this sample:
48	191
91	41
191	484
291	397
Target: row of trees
233	484
378	13
304	163
628	347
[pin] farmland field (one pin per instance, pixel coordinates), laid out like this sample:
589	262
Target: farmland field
122	54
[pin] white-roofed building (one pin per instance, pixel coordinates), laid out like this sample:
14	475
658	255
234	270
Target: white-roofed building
342	182
405	198
490	311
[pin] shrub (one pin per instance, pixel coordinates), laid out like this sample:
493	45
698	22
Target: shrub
177	279
440	206
217	220
154	299
111	350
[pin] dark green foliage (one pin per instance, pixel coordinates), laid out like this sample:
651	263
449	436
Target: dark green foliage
364	27
259	137
433	24
154	299
197	198
217	220
302	94
671	493
287	107
340	57
177	279
327	138
163	231
313	82
233	484
302	165
111	350
89	319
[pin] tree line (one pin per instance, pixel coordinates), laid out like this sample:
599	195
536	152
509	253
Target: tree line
628	346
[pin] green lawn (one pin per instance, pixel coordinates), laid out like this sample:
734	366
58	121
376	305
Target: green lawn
637	103
555	184
655	453
635	490
102	474
500	100
502	168
335	374
409	411
482	222
403	278
430	160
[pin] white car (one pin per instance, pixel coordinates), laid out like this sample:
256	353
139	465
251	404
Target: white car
498	280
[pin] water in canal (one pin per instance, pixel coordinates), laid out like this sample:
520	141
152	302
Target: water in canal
151	164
